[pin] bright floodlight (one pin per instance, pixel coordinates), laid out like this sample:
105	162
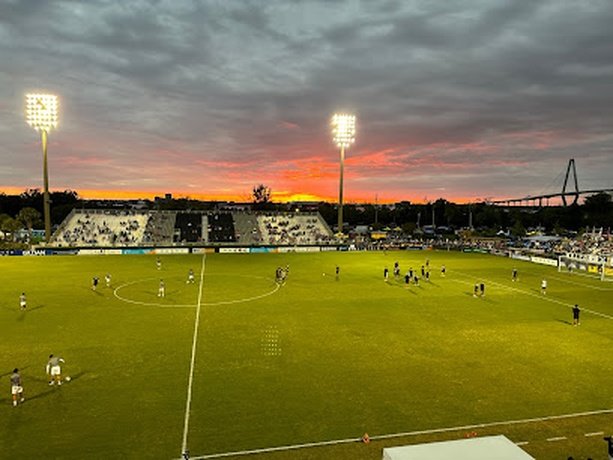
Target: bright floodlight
41	111
343	129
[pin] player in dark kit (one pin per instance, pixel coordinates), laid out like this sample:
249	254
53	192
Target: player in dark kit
407	279
338	272
609	440
443	270
476	290
94	283
576	311
423	271
482	289
386	274
514	275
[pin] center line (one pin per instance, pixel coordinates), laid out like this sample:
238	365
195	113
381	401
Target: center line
193	359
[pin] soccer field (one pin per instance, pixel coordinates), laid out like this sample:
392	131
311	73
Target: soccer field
315	360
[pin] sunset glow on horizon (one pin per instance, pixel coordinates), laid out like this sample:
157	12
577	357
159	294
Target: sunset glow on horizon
466	102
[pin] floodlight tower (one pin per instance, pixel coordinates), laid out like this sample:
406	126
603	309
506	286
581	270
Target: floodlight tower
41	114
343	132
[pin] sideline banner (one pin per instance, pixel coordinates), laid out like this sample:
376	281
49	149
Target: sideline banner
544	261
233	250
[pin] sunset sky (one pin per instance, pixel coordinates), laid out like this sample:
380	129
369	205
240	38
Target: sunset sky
463	100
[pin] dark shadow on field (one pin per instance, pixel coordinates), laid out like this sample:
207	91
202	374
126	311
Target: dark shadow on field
44	394
564	321
36	307
432	283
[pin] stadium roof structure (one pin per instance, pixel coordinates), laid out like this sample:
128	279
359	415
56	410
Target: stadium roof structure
485	448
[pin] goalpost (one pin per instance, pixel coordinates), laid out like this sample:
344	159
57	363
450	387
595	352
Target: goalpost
588	265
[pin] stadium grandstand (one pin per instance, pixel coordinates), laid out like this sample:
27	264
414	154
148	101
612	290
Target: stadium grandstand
115	228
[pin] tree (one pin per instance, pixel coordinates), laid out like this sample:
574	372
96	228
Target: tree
9	226
29	217
261	194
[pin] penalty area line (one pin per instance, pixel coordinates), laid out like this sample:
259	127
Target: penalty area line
402	435
192	364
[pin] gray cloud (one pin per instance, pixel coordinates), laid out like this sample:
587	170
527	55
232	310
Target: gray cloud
483	98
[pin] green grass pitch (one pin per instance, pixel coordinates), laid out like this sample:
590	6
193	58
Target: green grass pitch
317	359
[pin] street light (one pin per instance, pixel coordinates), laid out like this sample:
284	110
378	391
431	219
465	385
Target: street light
343	132
41	114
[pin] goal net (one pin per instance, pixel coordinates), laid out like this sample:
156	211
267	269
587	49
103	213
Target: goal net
591	265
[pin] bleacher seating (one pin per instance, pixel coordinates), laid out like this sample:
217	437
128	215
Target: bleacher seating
113	228
293	229
103	228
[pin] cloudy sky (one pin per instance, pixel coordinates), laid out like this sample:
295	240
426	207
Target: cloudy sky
462	99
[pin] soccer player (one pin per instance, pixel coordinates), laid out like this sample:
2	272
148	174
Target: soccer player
338	272
16	388
158	263
609	440
476	290
162	289
427	263
428	275
482	289
514	275
107	280
411	272
443	270
423	271
407	279
544	287
386	274
54	370
190	277
22	301
416	279
94	283
576	311
396	272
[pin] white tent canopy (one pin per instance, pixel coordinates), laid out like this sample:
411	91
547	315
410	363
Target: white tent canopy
485	448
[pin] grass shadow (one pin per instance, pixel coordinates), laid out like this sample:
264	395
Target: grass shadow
564	321
37	307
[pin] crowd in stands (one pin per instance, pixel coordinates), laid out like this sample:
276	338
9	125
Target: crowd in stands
108	228
594	243
129	228
293	229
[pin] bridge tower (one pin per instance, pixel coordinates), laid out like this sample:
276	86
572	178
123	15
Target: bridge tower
570	168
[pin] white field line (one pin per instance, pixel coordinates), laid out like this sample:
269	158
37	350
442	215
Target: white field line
211	304
596	433
537	296
557	438
522	443
192	364
402	435
585	285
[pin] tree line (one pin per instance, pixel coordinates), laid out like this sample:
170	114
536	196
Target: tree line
25	211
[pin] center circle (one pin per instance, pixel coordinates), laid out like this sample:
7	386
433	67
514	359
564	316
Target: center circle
171	287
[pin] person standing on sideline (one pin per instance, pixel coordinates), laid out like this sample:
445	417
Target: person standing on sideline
162	289
22	301
576	311
16	388
54	370
544	287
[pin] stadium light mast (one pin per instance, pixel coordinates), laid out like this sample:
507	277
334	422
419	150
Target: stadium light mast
41	114
343	133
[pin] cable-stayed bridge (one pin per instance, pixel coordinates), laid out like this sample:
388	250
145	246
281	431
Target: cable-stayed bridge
568	195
